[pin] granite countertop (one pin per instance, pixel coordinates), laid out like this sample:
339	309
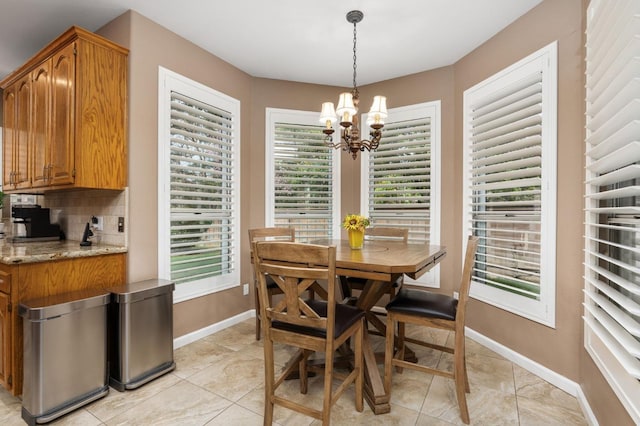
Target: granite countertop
31	252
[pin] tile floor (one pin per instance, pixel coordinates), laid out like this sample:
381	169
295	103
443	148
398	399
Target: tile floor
218	380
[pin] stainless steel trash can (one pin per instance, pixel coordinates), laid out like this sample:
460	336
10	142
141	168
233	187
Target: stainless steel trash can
65	353
140	333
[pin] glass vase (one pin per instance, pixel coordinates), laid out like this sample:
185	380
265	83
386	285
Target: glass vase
356	239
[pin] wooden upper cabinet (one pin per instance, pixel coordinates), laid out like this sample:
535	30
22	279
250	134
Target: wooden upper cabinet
69	126
61	154
10	133
21	143
40	125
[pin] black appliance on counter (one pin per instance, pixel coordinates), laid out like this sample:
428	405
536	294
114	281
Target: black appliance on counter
37	224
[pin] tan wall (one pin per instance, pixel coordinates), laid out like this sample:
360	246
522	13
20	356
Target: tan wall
559	348
151	46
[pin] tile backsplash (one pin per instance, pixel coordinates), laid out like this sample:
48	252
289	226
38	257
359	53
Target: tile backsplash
73	209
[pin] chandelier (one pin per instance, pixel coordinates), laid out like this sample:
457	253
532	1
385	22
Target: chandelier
347	112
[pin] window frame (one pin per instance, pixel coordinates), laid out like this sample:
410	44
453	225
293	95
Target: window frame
279	115
169	81
543	310
608	305
430	110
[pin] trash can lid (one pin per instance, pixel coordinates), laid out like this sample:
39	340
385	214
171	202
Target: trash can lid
140	290
62	304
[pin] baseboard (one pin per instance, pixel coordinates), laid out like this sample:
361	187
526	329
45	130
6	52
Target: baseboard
586	408
539	370
178	342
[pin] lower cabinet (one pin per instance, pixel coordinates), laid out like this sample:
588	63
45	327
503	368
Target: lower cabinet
28	281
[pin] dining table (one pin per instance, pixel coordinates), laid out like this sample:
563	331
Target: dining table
381	263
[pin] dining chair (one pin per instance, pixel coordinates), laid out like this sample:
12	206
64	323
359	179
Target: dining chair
264	234
311	325
348	284
435	310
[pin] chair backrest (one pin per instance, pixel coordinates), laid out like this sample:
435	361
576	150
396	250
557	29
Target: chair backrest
465	282
268	234
294	267
381	232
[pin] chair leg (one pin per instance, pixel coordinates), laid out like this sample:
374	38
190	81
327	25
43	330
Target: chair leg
388	353
359	364
269	381
328	390
460	377
401	334
257	305
302	368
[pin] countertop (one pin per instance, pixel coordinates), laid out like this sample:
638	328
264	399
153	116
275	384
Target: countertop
31	252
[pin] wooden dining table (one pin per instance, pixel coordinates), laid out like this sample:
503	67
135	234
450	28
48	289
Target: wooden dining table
380	262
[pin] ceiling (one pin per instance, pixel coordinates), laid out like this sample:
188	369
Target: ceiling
297	40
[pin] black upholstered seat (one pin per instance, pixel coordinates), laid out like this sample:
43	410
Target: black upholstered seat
424	303
346	316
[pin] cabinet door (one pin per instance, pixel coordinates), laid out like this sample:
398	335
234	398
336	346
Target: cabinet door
9	135
62	158
6	349
40	126
21	178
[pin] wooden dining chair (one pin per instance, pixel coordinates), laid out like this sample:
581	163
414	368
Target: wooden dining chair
310	325
268	234
425	308
348	284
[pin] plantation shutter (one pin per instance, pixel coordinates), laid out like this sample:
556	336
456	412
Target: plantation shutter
201	190
303	181
506	169
399	178
612	247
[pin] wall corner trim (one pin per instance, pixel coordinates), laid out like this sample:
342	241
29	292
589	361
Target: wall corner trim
558	380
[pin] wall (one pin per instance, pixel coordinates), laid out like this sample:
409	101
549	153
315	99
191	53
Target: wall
151	46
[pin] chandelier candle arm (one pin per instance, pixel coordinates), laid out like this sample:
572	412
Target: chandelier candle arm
347	111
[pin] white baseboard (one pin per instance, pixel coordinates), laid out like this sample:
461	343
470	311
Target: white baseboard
213	328
539	370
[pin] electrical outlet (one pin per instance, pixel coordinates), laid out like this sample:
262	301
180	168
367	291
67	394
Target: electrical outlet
120	224
245	289
97	223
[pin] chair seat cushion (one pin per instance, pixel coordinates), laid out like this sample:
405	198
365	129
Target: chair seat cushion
424	303
346	316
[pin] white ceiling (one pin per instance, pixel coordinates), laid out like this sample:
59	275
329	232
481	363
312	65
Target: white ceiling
298	40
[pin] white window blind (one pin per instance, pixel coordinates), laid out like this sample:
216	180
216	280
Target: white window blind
510	157
301	188
400	180
200	190
612	216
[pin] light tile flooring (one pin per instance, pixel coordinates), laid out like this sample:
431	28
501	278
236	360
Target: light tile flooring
218	381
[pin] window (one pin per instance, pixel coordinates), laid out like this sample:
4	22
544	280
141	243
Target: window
302	190
612	218
198	186
510	185
401	179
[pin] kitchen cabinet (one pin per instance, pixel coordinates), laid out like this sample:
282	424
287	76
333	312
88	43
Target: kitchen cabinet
27	281
6	326
65	115
17	107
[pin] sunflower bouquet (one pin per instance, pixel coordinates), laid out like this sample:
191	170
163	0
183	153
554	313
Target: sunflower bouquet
355	222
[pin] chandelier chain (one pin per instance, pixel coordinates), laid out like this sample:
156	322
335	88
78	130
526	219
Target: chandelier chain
355	87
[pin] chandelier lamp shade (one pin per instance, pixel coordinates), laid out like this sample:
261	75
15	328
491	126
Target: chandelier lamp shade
347	112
